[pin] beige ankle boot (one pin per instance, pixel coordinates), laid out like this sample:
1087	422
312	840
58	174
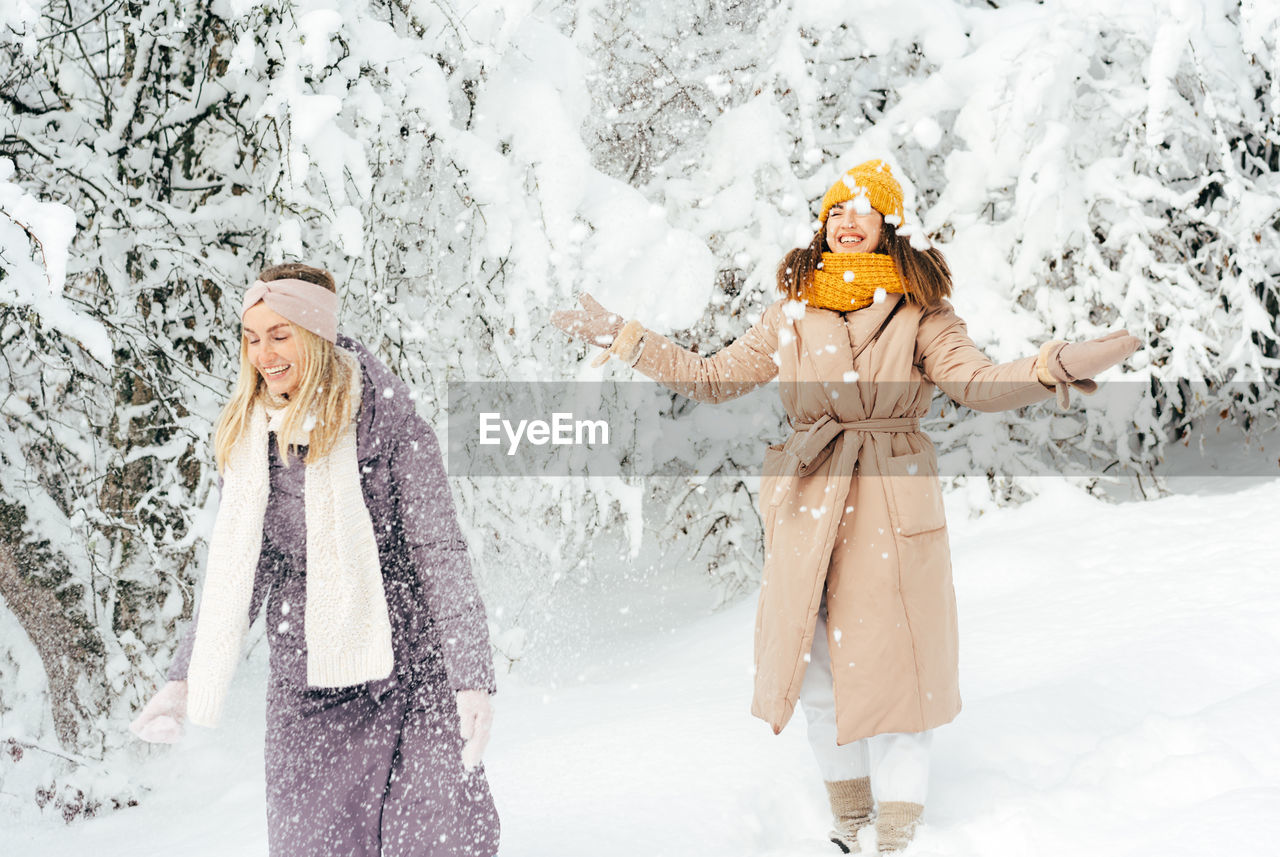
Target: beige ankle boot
895	824
851	806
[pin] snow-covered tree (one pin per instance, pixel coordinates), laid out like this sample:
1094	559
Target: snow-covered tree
464	168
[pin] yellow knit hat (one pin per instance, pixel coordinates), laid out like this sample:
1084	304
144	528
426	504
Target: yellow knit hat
872	179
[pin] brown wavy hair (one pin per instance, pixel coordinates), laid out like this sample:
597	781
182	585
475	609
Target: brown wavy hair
323	393
925	273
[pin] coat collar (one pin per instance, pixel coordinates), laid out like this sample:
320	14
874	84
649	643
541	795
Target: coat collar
385	402
860	323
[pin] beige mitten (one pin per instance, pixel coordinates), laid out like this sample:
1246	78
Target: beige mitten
593	323
626	345
1062	364
851	808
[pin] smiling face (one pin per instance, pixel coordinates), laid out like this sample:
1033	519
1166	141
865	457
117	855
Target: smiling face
273	349
851	232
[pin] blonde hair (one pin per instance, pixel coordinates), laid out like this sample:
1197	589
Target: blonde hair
324	392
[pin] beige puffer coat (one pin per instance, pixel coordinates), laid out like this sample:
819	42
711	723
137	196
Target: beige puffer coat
851	501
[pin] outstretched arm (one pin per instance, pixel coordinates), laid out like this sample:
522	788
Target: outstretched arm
950	359
733	371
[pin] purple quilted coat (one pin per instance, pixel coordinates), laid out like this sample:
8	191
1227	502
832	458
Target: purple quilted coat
375	769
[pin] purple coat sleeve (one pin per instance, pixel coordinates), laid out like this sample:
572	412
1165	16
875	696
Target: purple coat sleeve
182	657
424	506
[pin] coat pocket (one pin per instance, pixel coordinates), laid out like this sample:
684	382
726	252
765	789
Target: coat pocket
915	492
775	464
775	469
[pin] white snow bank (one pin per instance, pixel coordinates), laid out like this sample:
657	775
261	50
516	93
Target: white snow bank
1119	700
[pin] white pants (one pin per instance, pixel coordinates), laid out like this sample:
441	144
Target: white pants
897	762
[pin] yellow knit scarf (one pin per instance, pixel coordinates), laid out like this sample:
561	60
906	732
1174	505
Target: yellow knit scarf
848	281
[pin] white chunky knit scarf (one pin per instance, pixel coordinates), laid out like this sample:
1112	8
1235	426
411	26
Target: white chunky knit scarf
348	630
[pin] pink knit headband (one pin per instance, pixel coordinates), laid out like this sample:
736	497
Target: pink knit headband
305	304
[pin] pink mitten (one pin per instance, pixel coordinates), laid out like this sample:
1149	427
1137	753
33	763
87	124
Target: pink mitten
1075	363
475	716
160	721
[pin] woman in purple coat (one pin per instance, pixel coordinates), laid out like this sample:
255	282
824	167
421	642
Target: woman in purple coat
336	512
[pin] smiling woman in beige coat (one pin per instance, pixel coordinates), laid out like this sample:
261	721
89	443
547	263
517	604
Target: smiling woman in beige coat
857	614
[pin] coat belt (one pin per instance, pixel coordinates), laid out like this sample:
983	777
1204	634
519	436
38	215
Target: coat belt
819	434
811	443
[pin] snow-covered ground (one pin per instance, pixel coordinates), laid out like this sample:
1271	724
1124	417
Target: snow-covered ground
1121	686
